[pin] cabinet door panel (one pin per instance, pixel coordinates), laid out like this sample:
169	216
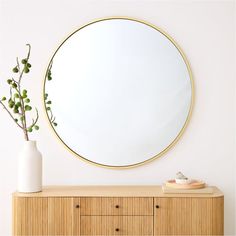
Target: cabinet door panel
189	216
45	216
60	216
207	216
116	225
172	217
30	216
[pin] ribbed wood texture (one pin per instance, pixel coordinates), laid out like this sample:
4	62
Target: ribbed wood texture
76	219
60	216
106	216
116	225
44	216
207	217
189	216
116	206
30	216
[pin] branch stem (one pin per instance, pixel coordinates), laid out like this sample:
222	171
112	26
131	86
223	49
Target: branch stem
10	114
17	98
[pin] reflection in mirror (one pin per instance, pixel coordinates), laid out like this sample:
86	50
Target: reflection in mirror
47	101
121	92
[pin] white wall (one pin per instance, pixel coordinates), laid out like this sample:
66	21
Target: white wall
205	31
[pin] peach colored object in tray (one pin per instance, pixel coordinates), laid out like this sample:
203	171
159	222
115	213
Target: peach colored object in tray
195	184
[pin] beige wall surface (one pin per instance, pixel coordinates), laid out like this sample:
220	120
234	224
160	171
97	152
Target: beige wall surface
205	30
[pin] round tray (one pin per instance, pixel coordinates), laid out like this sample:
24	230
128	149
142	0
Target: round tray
195	184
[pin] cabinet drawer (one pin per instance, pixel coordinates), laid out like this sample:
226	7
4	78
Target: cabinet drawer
116	225
116	206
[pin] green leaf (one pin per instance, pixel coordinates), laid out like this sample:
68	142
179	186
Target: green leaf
22	118
18	104
28	108
24	61
30	129
45	96
54	123
14	85
15	70
28	65
24	93
49	102
11	103
16	109
36	127
16	95
3	99
26	70
27	100
9	81
16	120
48	108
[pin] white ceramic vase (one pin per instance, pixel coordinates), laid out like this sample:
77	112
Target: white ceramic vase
29	168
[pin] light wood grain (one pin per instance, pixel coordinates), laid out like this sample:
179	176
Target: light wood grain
173	216
218	216
60	216
110	191
177	214
43	216
107	225
207	216
189	216
116	206
30	216
206	190
76	216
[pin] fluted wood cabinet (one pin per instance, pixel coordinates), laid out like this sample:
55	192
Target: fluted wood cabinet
117	210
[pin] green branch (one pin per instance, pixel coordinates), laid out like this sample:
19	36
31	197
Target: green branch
18	102
48	103
9	113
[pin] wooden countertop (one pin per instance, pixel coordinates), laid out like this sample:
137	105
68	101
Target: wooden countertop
111	191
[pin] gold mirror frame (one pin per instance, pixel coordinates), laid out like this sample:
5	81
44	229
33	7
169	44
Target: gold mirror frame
187	119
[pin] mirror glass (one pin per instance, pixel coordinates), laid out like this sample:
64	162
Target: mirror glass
121	92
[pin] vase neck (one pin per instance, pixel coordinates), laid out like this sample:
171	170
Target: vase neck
30	144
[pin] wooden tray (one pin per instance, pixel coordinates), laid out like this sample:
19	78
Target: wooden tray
195	184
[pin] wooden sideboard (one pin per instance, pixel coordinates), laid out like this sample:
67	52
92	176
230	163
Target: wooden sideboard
117	210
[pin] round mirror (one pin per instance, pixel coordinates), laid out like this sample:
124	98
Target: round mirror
118	92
